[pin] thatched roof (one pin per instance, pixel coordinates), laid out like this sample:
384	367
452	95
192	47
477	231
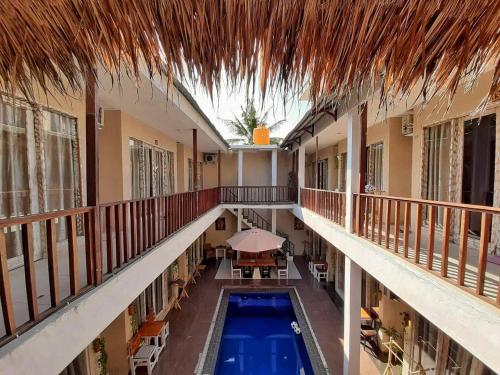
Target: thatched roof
331	46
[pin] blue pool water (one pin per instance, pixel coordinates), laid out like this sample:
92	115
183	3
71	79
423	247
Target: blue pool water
258	339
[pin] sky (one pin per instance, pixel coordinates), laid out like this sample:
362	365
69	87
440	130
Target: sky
228	102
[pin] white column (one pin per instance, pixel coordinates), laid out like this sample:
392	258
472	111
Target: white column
301	173
352	321
273	220
240	167
274	168
353	155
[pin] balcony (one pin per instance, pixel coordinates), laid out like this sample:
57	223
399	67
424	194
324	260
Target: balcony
100	242
436	236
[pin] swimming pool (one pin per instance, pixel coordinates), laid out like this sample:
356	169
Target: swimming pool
261	332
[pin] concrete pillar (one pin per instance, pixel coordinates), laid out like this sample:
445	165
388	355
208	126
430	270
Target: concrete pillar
353	157
239	219
240	167
274	168
273	220
352	321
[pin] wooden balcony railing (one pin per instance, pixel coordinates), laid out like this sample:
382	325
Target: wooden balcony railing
111	235
450	239
329	204
258	194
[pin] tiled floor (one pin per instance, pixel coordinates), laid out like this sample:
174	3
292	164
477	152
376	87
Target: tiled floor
189	326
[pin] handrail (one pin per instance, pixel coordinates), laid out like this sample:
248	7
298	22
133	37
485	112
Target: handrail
464	206
114	234
25	219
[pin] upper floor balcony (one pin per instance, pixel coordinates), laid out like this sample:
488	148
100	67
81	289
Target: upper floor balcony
449	240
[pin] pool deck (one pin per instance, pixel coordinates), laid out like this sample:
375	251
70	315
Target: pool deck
189	327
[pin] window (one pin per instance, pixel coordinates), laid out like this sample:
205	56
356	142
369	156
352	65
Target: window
323	174
375	166
436	166
39	168
154	296
152	170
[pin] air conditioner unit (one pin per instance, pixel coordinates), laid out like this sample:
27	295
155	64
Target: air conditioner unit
100	118
209	158
407	124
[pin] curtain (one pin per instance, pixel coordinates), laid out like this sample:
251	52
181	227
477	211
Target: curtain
14	178
152	170
436	165
60	165
375	166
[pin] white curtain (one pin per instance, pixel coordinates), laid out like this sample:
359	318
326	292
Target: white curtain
152	170
14	178
436	165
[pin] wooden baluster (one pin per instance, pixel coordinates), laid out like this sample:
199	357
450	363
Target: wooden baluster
109	237
73	255
418	233
374	202
126	231
358	218
55	290
483	252
366	215
397	220
89	246
388	224
145	233
118	235
5	289
432	231
140	241
354	213
445	241
406	231
464	236
379	220
29	270
154	223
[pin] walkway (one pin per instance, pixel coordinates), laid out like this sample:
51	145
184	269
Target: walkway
189	326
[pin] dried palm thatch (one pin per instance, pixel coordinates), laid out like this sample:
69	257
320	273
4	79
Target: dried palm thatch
332	46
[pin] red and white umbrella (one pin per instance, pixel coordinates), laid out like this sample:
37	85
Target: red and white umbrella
255	241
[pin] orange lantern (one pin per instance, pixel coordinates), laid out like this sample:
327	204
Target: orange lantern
261	135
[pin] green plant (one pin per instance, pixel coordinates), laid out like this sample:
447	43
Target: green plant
249	120
134	323
103	357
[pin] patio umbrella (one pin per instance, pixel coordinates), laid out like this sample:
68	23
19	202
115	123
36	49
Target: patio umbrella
255	241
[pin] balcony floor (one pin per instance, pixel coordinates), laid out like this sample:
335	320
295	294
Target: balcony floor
189	327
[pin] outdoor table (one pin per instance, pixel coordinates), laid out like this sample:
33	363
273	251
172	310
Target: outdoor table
256	263
154	331
365	316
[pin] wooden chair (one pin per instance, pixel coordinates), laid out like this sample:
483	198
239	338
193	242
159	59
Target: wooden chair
142	355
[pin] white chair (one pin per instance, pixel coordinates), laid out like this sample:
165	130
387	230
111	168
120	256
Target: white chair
235	271
321	272
283	272
142	355
311	266
161	339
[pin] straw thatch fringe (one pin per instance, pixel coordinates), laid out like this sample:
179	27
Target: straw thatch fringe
332	45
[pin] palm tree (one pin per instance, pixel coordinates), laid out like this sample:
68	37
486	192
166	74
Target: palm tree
244	126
